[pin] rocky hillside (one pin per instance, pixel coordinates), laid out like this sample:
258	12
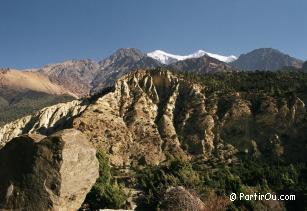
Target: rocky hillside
266	59
150	113
150	117
76	75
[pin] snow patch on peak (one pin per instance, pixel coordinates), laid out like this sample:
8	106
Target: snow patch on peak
167	58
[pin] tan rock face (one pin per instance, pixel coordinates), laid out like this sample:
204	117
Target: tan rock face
135	123
55	173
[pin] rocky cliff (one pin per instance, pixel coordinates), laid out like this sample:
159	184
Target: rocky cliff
151	114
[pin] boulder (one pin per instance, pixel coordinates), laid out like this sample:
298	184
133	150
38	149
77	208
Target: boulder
54	173
178	198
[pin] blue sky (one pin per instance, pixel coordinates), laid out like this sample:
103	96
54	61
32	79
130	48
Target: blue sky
38	32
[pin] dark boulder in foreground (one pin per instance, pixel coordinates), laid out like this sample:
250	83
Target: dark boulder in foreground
54	173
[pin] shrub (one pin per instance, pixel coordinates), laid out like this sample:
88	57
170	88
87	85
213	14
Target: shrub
154	181
105	193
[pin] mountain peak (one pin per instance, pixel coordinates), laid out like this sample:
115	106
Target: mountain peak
266	59
123	53
168	58
267	50
128	51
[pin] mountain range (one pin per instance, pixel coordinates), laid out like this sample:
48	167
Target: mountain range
79	78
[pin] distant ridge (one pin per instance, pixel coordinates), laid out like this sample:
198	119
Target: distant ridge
80	78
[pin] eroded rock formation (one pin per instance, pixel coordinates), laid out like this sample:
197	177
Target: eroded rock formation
46	121
150	114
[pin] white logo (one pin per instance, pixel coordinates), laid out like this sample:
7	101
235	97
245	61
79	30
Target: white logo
233	197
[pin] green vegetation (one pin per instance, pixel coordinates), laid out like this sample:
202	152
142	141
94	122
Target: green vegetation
253	86
277	84
106	193
223	179
14	105
154	181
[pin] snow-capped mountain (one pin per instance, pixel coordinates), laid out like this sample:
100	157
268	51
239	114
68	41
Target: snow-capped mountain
167	58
